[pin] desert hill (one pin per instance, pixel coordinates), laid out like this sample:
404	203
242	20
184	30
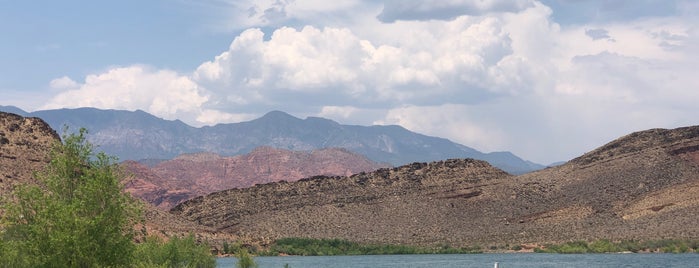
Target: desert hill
641	186
170	182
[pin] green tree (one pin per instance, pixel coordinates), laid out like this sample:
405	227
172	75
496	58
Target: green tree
77	216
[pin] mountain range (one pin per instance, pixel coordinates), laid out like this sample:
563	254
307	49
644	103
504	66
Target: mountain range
136	135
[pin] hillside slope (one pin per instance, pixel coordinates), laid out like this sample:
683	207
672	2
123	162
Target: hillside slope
641	186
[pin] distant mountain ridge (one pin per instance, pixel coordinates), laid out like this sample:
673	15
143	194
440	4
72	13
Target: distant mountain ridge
140	135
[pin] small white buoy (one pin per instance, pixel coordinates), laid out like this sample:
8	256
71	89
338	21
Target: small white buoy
496	265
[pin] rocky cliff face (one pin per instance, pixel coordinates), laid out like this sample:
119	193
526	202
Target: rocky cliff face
170	182
641	186
24	147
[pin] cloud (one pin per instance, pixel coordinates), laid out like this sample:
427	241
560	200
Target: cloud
160	92
597	34
460	123
446	10
213	117
63	83
463	60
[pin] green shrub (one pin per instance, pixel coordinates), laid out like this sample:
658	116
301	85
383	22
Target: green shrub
604	246
573	248
78	216
329	247
568	248
630	245
245	260
233	248
226	248
176	252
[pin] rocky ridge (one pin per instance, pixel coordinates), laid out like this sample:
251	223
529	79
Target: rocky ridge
171	182
641	186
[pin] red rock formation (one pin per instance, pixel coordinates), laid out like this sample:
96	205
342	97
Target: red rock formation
172	182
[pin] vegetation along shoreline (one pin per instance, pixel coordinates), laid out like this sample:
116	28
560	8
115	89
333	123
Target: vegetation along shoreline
339	247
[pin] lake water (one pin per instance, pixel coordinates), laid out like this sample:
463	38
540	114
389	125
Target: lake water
512	260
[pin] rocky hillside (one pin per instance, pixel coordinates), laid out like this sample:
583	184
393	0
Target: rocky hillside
170	182
138	135
24	147
641	186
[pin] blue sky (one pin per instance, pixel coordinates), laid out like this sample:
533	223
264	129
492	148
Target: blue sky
547	80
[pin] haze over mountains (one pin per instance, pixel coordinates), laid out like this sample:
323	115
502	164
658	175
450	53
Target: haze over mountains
138	135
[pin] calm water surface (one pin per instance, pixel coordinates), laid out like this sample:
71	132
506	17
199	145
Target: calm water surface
521	260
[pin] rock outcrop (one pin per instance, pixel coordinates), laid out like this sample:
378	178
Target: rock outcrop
24	148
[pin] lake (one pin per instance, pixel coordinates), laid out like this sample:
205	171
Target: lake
510	260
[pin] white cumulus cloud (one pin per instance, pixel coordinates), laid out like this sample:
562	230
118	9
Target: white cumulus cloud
160	92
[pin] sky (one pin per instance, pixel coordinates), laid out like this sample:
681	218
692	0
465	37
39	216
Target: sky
547	80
